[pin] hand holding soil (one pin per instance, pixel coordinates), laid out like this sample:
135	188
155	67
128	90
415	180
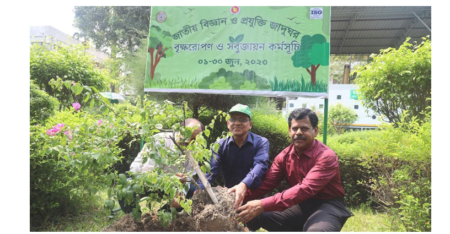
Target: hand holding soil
249	211
205	217
239	191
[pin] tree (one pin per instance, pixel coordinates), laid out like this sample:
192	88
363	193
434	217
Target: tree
314	51
69	64
159	46
341	116
113	28
397	80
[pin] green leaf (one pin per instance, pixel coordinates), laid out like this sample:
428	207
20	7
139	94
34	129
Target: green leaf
231	39
92	103
123	180
104	109
207	132
239	38
95	89
86	96
77	89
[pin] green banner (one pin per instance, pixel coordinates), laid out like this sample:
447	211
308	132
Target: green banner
250	50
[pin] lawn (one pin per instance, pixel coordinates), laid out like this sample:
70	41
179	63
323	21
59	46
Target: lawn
365	220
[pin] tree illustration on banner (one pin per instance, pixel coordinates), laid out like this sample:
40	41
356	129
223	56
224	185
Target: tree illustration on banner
159	46
314	51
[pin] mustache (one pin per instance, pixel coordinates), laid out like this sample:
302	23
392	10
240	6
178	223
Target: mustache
297	137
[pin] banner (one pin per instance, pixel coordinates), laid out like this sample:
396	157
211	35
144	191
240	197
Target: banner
248	50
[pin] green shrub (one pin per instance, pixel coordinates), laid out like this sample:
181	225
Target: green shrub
71	163
68	63
393	165
42	105
352	172
401	159
273	127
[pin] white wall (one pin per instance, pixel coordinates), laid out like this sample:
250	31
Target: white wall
344	91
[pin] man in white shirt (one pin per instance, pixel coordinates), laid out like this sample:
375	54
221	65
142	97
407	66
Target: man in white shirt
137	166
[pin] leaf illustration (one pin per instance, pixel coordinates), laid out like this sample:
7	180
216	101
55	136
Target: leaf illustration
231	39
239	38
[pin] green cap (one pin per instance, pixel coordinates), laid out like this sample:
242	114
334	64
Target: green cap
244	109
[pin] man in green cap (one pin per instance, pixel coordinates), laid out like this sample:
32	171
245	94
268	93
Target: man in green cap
243	159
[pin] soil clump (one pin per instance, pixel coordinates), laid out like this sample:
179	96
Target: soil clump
205	217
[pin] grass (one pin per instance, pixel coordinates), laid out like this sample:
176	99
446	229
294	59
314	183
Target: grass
296	86
364	220
173	83
367	220
93	219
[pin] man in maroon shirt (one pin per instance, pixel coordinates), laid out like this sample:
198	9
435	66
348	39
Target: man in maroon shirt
314	200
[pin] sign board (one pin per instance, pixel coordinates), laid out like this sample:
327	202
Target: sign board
247	50
353	94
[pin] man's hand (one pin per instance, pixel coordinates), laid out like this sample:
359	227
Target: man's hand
239	190
249	211
183	178
175	203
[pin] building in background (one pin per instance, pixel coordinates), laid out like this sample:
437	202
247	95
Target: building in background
48	34
338	93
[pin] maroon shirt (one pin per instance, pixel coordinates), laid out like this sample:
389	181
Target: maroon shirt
315	174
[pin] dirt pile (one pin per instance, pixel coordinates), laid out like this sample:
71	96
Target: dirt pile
205	217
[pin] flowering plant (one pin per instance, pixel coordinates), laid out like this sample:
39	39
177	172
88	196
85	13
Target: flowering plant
76	106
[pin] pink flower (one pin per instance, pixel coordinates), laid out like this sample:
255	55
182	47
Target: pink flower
76	105
69	134
100	121
73	83
50	132
55	129
60	125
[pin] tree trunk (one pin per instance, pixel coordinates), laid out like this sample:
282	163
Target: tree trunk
152	67
312	72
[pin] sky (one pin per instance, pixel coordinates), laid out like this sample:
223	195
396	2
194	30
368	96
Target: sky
60	17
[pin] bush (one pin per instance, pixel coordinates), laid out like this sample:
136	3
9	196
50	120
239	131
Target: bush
273	127
42	105
68	63
352	172
70	160
393	165
401	159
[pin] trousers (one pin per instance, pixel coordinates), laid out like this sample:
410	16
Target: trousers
312	215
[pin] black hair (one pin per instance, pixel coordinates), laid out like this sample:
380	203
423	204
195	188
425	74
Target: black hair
302	113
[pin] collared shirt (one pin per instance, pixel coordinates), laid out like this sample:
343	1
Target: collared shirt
315	174
247	164
138	166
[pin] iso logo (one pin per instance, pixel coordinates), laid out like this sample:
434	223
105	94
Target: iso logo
316	13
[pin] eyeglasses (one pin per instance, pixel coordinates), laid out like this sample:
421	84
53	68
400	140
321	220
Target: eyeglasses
242	120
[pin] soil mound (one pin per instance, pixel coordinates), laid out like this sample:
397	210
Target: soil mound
205	217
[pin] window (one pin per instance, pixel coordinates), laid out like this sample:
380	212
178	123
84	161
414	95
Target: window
338	97
320	106
356	107
291	104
